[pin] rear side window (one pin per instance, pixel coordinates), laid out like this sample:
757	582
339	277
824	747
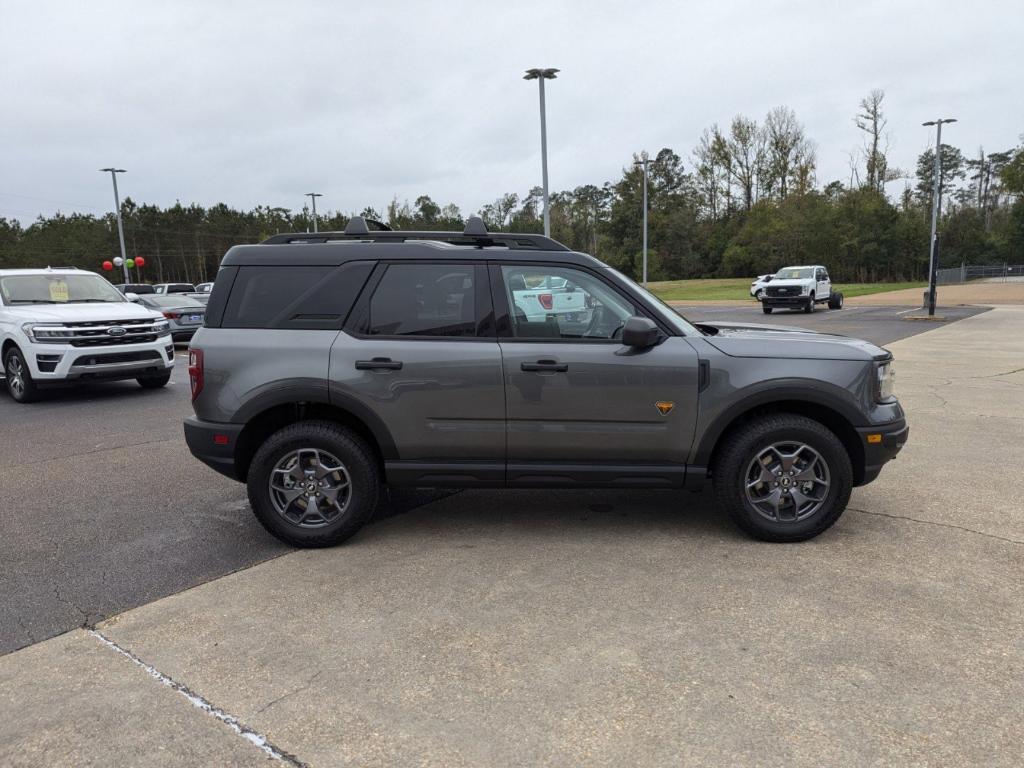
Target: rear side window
425	300
294	297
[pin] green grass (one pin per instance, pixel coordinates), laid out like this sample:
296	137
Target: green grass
738	288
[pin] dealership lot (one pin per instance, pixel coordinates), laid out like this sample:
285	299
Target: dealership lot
528	627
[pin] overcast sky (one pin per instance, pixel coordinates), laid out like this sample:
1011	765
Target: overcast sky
253	102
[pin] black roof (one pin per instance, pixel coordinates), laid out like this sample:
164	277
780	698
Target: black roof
367	239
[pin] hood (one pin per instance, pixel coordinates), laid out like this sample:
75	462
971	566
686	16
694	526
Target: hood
60	313
792	283
777	341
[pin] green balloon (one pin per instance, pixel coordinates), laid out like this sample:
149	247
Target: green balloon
130	263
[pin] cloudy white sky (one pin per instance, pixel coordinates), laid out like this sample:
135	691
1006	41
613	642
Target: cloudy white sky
259	102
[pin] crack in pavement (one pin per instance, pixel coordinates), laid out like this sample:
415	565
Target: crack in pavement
87	453
939	524
253	737
284	696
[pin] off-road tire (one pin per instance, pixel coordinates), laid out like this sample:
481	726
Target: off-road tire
835	300
154	382
27	391
740	448
766	310
356	456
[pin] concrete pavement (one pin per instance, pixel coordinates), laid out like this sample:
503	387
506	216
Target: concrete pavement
603	628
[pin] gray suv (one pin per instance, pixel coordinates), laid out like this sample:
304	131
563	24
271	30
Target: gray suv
331	364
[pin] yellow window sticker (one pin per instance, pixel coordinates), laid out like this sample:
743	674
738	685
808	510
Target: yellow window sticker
58	290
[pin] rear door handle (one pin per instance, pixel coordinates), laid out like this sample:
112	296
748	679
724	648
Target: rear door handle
546	365
379	364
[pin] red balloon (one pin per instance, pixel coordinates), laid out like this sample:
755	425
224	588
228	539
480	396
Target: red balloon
108	265
139	261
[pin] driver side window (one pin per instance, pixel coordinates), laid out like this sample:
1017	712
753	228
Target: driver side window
563	303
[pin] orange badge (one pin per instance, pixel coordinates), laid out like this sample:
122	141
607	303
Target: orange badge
664	406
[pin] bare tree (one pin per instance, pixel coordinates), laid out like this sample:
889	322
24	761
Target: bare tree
790	154
746	150
872	121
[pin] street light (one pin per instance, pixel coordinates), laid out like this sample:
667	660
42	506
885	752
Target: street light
933	257
120	227
644	161
540	75
313	196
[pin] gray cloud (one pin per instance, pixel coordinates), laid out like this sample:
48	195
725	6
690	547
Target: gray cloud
259	102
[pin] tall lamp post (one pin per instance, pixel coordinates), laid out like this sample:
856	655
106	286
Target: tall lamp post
644	161
120	227
933	257
313	196
540	75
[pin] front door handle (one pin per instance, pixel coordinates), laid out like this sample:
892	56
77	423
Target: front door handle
379	364
546	365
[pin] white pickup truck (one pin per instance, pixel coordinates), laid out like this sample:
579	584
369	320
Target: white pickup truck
800	288
554	296
61	326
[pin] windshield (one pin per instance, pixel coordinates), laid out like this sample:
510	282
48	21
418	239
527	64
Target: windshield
795	273
57	289
668	314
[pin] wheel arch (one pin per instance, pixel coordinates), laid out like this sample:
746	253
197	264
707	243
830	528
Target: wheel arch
263	424
826	414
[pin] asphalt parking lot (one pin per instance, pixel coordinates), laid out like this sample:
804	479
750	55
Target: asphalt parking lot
523	628
104	509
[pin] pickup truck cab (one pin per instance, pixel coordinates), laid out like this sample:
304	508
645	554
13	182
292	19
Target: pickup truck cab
800	288
66	326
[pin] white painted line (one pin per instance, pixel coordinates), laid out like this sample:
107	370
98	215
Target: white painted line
256	739
912	309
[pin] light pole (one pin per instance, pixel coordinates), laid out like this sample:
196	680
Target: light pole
933	256
644	161
313	196
540	75
120	227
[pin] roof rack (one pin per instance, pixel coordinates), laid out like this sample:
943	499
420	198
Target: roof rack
475	234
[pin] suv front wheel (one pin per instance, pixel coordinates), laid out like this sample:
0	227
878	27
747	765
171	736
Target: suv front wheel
783	477
313	484
18	377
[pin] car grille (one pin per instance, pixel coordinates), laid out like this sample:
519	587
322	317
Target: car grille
776	291
95	333
122	357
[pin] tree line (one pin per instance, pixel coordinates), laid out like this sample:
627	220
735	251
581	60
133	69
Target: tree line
747	201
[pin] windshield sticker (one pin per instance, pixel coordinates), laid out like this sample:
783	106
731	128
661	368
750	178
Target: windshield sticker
58	290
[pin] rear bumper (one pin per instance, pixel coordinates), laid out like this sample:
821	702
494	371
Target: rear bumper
213	444
881	444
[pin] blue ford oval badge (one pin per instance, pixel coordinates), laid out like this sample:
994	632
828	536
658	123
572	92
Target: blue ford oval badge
117	330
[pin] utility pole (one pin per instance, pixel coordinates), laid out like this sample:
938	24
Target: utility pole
644	161
540	75
120	227
313	196
933	256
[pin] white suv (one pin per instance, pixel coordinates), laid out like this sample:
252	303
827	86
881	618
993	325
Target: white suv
59	326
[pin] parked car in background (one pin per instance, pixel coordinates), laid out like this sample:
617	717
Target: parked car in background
184	313
204	287
64	326
800	288
135	288
202	298
757	287
174	288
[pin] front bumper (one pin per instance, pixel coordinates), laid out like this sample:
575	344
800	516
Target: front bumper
213	444
53	364
784	301
881	444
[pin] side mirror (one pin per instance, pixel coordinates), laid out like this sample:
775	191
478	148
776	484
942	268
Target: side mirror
640	332
132	297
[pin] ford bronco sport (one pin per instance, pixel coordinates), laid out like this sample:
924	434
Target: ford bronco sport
332	363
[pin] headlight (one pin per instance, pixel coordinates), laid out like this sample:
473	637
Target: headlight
162	327
44	335
805	290
885	383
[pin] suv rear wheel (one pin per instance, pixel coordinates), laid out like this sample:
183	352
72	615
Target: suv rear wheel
18	377
313	484
783	477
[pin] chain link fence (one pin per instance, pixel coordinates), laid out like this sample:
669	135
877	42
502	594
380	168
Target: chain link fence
988	272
